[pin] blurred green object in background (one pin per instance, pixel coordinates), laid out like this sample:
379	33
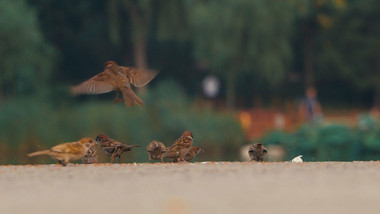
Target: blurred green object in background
330	142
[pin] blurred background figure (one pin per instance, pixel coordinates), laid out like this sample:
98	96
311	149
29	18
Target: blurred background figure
310	109
210	86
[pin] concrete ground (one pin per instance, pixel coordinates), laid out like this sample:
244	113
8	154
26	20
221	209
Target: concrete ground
212	187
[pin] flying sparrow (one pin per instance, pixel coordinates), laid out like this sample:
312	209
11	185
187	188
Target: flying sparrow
180	148
257	152
112	147
91	155
119	79
66	152
156	151
192	153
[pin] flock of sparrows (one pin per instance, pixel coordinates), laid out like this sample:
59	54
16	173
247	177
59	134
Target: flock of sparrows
86	149
119	78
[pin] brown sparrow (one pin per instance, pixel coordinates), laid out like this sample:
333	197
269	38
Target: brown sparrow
119	79
192	153
91	155
112	147
257	152
180	148
66	152
156	151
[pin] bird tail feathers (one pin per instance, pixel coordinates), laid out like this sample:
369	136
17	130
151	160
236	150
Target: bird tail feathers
44	152
130	98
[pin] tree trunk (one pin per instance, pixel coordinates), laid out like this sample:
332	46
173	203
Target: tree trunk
141	19
114	23
231	91
140	56
308	61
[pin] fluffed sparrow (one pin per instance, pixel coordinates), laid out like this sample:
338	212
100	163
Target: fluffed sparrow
156	151
91	155
257	152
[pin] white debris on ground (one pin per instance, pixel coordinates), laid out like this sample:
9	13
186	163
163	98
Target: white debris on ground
297	159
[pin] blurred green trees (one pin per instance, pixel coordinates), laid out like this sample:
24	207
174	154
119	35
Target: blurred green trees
243	36
259	48
26	58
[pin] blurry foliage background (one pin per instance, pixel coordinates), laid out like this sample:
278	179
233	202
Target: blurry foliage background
258	48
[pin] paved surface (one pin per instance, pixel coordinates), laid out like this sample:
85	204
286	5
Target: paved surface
220	187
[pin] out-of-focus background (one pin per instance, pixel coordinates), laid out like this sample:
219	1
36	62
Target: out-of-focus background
300	76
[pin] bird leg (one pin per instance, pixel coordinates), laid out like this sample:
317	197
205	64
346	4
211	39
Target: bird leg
112	158
182	159
117	98
62	163
119	159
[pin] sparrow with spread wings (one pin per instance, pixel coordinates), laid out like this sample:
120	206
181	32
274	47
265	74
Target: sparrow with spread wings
117	78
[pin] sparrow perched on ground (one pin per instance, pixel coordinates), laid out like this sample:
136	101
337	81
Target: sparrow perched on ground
156	151
91	155
180	148
66	152
119	79
257	152
112	147
192	153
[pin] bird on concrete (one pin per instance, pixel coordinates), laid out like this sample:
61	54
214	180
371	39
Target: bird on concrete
112	147
257	152
91	155
66	152
156	151
180	148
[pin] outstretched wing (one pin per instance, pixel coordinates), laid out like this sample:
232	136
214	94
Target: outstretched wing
139	77
99	84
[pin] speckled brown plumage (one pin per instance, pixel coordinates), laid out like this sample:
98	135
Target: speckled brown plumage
156	151
112	147
91	155
117	78
180	148
257	152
